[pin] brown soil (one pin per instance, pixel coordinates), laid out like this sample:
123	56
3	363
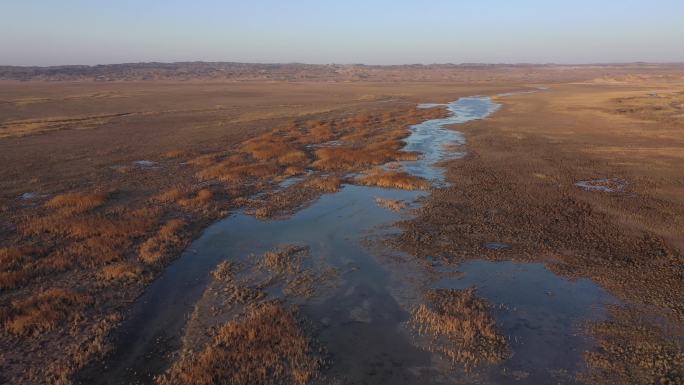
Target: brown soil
517	186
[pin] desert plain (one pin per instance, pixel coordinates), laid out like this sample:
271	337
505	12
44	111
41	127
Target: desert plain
570	191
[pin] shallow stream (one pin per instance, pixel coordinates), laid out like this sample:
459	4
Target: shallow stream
362	322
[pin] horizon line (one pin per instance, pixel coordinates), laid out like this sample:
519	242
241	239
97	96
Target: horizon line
352	64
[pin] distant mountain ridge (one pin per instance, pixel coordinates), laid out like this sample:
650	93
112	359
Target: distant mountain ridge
233	71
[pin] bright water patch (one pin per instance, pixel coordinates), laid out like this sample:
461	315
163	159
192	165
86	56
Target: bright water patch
433	138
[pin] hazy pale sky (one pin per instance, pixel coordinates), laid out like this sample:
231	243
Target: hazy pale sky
53	32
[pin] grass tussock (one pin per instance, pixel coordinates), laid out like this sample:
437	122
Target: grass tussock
17	266
275	148
265	346
170	238
171	195
460	327
75	202
85	240
199	200
391	204
230	172
43	311
284	260
394	179
120	272
328	184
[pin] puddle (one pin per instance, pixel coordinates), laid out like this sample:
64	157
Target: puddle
604	185
361	322
29	196
145	164
497	246
539	312
430	105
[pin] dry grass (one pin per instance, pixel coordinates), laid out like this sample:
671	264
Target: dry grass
394	179
270	147
17	266
328	184
79	239
265	346
345	157
230	172
170	239
76	202
43	311
120	272
171	196
284	260
199	200
391	204
460	327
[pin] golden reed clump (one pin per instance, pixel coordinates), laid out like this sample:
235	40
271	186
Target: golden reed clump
78	201
393	179
460	327
170	238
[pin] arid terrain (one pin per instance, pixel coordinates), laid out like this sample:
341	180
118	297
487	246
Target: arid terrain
109	173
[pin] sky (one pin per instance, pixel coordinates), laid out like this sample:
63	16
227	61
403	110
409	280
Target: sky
58	32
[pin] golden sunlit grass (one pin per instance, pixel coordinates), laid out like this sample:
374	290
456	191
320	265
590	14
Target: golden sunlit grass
83	239
393	179
77	201
460	327
273	148
43	311
265	346
170	238
345	157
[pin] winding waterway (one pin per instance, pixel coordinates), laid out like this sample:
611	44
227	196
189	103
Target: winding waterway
362	322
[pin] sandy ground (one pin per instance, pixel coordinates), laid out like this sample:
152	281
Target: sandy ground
517	186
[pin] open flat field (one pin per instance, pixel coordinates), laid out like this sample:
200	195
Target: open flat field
576	176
